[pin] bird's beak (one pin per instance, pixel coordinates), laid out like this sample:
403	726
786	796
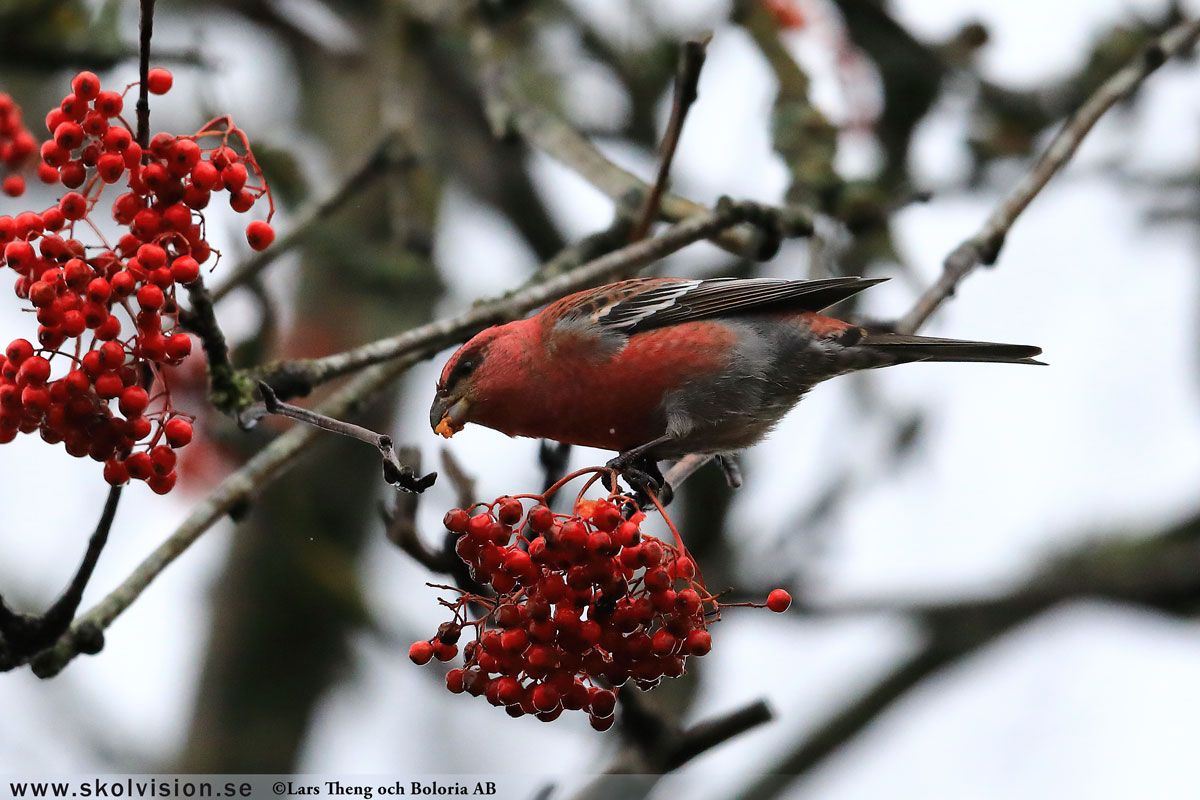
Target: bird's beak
447	415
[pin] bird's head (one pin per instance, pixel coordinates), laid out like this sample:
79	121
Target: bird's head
479	376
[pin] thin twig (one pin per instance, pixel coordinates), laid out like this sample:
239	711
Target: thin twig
146	31
713	732
984	246
399	475
227	390
392	152
509	112
687	78
655	745
22	636
401	524
63	610
292	378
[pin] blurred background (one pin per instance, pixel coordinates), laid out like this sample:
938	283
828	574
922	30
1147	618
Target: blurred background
996	568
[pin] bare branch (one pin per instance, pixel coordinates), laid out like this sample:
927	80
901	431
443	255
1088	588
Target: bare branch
145	32
227	390
713	732
687	79
22	636
542	130
401	521
984	246
399	475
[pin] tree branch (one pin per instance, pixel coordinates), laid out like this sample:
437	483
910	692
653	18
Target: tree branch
22	636
984	246
399	475
509	112
227	390
146	31
687	79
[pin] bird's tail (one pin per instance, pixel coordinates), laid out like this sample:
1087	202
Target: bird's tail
898	348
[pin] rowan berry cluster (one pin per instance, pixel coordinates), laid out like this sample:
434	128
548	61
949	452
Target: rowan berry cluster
17	146
108	316
580	605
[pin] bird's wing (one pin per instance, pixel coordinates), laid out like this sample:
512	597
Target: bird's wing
642	304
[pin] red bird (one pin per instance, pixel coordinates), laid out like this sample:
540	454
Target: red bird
656	368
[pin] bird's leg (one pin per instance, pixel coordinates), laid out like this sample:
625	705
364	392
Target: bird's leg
733	471
628	458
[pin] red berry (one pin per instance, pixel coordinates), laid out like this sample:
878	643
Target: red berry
243	201
151	256
602	702
109	385
133	401
606	516
150	297
53	154
234	177
158	81
115	472
109	103
35	370
420	652
545	697
111	355
13	186
123	283
456	520
117	139
179	347
778	601
99	290
85	85
178	432
68	135
18	350
139	466
73	206
161	484
260	235
509	511
698	643
541	518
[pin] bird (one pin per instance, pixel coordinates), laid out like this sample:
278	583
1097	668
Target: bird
658	368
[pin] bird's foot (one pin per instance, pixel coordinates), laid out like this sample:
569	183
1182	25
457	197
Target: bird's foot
643	476
731	469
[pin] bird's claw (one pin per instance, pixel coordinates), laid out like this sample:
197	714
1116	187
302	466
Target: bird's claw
643	476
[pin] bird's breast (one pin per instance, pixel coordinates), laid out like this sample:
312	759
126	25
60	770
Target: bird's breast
615	400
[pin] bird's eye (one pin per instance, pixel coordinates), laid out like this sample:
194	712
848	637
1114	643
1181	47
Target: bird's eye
461	370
